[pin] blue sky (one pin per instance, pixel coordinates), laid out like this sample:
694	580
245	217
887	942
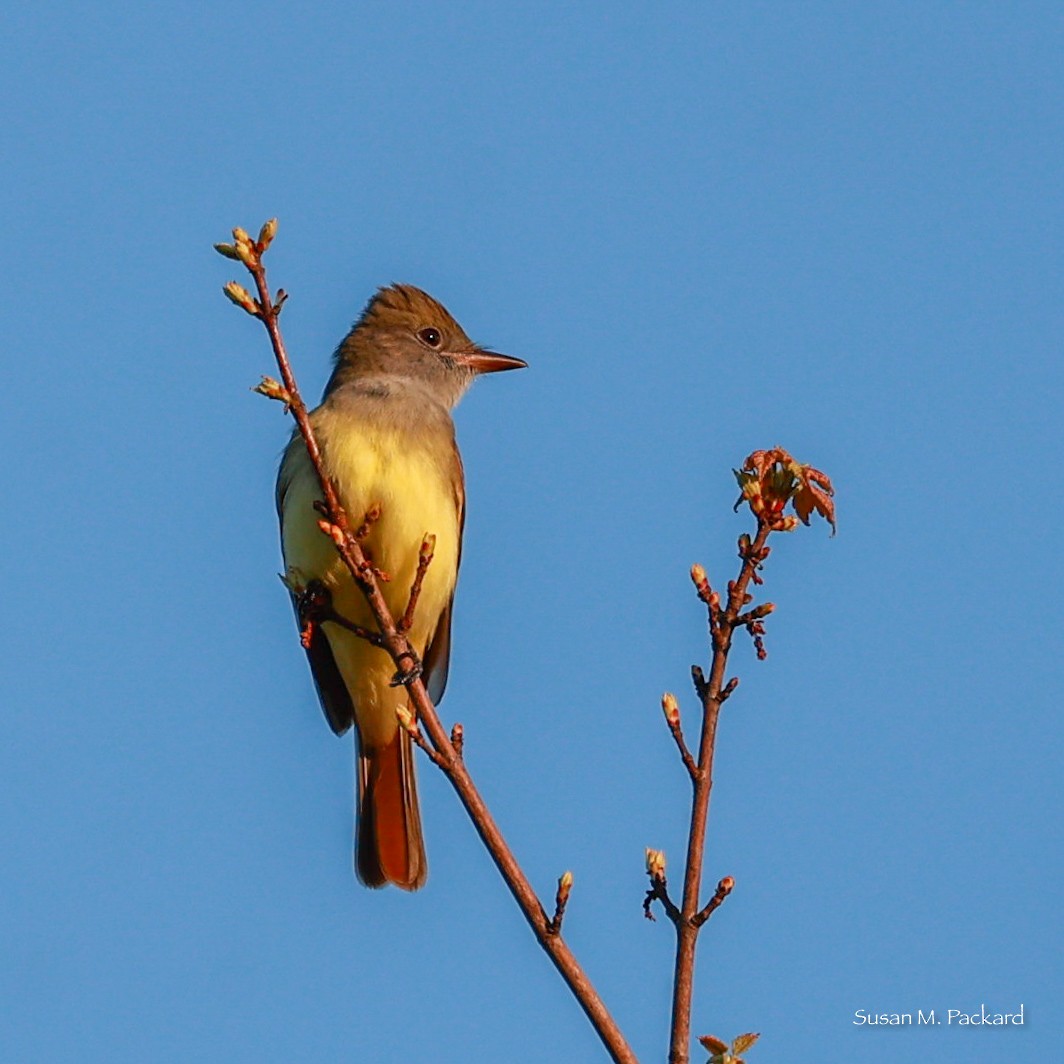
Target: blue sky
708	229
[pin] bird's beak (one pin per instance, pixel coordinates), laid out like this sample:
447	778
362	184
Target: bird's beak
480	360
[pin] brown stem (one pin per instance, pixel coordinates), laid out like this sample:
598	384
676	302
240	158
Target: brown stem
423	559
710	692
724	888
354	629
561	900
395	642
314	607
685	754
659	891
419	741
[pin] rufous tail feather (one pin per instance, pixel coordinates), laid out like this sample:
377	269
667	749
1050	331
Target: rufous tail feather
388	845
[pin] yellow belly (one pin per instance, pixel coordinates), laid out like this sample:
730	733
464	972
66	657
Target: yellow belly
374	466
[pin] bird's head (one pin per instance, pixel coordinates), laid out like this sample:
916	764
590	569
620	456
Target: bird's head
405	332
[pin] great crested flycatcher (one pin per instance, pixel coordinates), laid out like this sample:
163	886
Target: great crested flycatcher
387	440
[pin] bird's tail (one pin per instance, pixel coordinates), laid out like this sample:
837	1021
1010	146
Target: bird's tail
388	844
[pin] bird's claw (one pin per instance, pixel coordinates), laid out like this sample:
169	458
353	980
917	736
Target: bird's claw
406	676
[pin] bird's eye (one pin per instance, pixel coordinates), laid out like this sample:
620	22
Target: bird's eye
431	337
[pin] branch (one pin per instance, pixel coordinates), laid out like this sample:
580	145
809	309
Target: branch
769	480
393	639
723	623
724	888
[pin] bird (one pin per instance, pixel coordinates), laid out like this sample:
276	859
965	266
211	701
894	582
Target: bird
386	435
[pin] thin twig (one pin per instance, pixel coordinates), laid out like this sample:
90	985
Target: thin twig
671	709
561	899
659	891
724	888
756	614
685	754
314	605
410	725
728	688
424	557
395	642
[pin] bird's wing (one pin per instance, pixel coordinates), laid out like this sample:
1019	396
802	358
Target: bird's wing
332	691
438	653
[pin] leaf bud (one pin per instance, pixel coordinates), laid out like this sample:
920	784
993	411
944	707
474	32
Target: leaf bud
743	1042
267	233
245	250
671	708
238	294
565	885
273	389
334	532
656	863
714	1045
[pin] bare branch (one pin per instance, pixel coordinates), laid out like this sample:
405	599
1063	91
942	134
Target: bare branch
769	481
723	621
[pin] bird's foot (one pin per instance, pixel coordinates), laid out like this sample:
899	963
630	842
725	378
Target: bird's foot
406	676
313	605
